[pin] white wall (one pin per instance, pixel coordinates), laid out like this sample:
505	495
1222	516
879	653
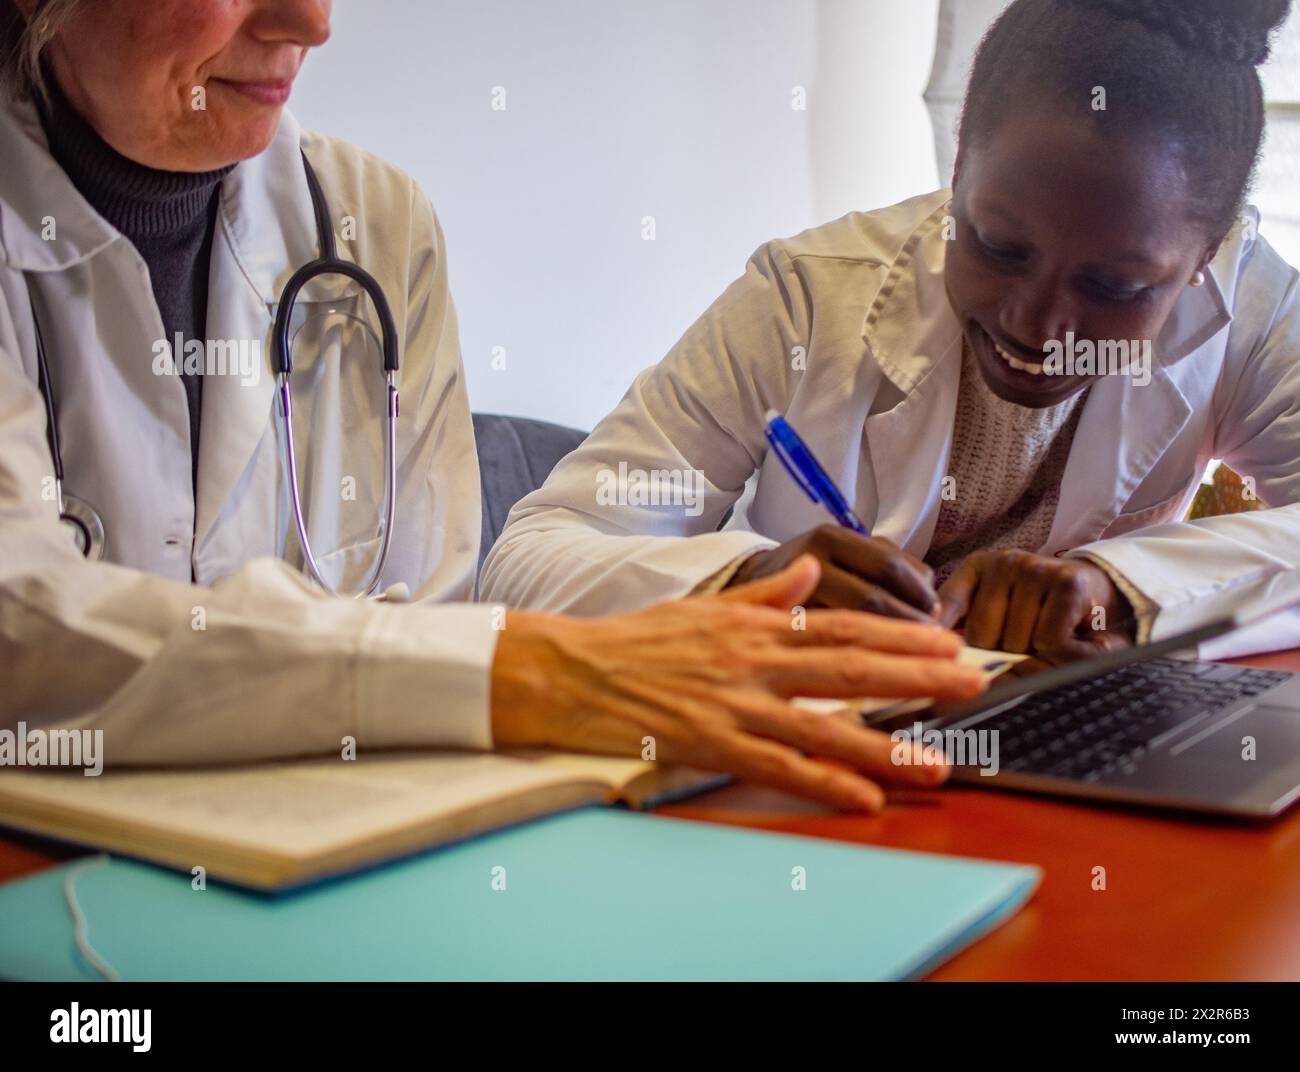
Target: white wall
617	110
1278	179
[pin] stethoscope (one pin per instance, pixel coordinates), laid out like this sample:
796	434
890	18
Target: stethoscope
85	522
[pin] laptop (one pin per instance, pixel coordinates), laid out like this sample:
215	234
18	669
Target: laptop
1134	726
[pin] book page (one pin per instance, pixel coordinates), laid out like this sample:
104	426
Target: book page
638	783
614	771
294	809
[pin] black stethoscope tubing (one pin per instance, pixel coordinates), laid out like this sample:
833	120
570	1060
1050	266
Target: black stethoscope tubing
86	522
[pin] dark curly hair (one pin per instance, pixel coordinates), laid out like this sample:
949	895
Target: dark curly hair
1180	73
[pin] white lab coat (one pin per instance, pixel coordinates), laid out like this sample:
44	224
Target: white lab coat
846	329
252	661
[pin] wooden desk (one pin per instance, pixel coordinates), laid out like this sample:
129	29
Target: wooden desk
1186	899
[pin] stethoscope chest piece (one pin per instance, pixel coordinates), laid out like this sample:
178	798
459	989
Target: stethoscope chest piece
86	525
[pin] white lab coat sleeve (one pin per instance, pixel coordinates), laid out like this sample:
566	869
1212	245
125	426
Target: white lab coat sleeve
591	540
258	666
1199	570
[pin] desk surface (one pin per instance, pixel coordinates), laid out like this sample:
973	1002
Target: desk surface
1186	899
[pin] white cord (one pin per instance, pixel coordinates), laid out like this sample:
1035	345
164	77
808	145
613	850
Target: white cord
82	931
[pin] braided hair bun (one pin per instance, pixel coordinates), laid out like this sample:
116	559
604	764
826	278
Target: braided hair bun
1235	31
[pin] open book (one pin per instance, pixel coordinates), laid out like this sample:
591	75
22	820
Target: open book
275	825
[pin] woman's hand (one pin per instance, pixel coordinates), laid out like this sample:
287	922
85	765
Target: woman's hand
858	573
1057	608
707	680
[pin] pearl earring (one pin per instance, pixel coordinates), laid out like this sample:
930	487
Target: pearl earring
1198	280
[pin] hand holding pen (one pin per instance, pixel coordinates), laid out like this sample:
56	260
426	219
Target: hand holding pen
859	571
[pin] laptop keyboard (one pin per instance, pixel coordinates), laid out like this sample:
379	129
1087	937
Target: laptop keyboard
1093	728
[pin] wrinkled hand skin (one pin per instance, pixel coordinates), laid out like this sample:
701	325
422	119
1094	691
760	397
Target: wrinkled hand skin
710	678
1026	603
858	573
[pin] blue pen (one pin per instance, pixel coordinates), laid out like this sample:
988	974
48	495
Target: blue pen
808	473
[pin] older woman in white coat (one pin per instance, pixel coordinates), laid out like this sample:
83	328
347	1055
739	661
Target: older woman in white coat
1017	383
154	201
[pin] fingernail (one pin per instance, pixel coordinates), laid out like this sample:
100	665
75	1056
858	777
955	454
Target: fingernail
870	801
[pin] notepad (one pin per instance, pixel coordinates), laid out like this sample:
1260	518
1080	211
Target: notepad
993	663
594	894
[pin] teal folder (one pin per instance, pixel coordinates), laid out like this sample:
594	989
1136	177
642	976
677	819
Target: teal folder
593	894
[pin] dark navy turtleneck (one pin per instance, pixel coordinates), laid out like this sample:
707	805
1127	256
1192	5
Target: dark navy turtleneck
169	216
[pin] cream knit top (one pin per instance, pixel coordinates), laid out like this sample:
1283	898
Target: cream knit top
1006	466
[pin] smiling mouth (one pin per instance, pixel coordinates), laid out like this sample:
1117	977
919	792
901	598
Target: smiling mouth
1016	366
270	91
1034	368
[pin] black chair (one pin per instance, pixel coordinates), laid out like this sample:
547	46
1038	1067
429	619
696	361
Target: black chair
515	456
